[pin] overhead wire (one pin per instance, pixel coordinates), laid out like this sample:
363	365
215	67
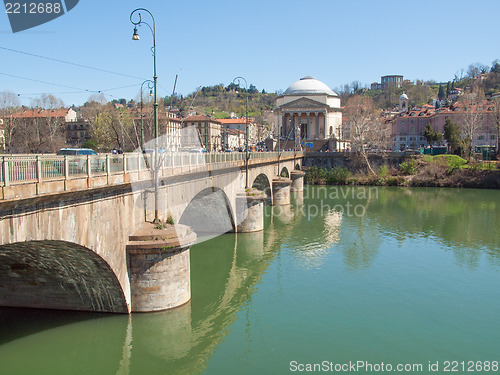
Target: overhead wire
73	64
69	63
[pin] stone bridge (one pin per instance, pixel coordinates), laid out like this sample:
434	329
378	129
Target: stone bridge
64	234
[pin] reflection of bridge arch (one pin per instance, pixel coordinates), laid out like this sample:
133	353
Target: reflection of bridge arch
59	274
209	211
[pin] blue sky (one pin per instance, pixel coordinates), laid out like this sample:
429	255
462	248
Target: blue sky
270	43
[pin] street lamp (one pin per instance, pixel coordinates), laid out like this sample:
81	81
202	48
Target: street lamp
135	36
279	143
150	87
237	82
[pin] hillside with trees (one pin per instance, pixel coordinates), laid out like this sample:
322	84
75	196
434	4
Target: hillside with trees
476	76
221	101
112	124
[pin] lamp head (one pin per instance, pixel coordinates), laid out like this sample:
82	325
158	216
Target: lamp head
135	36
150	92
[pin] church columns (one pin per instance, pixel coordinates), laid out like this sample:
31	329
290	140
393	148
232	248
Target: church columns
315	125
309	133
283	125
316	133
296	134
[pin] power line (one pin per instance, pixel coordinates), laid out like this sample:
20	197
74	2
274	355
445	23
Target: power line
74	64
69	63
80	90
47	83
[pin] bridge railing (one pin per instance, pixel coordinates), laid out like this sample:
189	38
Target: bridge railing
18	169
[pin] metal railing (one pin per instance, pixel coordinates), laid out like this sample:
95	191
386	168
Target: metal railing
17	169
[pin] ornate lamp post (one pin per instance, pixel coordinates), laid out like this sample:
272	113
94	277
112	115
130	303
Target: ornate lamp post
150	87
237	81
279	144
135	36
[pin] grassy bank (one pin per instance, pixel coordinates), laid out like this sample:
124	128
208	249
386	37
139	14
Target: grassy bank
431	171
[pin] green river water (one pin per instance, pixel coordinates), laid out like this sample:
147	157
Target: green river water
345	276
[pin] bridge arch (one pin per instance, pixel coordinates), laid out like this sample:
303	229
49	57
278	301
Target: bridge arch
297	167
209	209
58	275
284	172
262	183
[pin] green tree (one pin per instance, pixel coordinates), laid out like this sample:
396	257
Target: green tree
90	143
432	136
452	135
495	67
441	93
113	129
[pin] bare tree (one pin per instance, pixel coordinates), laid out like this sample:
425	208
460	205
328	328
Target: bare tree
496	118
473	118
9	104
39	129
476	69
50	125
93	107
365	128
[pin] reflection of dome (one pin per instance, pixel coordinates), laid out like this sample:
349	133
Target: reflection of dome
313	254
308	85
403	97
333	220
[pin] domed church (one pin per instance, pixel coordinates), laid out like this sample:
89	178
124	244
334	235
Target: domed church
309	108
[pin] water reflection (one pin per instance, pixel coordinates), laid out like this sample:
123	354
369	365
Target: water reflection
333	221
60	342
224	274
229	271
360	243
466	221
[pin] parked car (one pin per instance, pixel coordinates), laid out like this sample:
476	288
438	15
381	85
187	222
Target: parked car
78	165
197	150
76	151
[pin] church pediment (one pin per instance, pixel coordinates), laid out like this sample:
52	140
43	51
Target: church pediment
303	103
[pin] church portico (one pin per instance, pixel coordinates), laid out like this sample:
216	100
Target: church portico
309	124
308	110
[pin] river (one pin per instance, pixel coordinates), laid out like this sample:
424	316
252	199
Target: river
345	276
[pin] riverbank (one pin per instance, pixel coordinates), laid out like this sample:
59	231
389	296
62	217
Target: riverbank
419	171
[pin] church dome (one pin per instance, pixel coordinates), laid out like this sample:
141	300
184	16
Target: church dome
308	85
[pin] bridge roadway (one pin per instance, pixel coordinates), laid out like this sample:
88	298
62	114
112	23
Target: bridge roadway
65	221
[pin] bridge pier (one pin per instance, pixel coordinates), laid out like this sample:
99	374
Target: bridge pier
297	178
159	267
281	191
252	201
